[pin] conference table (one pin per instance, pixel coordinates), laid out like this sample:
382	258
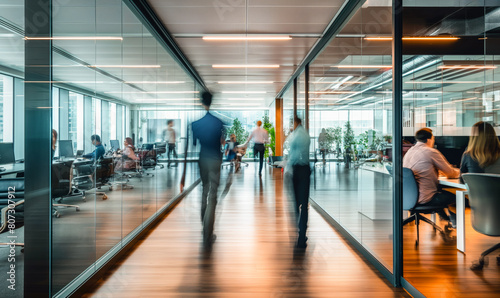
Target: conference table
461	190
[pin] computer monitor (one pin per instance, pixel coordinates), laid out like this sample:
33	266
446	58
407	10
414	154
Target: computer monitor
7	153
66	148
115	145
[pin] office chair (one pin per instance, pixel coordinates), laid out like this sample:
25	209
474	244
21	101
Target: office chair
484	203
161	148
84	182
62	175
13	188
410	203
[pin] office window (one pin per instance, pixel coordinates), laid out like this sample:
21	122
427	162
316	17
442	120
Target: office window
6	109
96	110
112	121
75	120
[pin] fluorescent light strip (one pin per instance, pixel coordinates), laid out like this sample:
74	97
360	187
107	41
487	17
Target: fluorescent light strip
75	38
240	38
329	92
69	82
242	99
155	82
420	98
181	103
362	100
151	92
169	99
245	82
467	67
428	38
245	66
125	66
338	82
243	92
443	82
240	104
362	66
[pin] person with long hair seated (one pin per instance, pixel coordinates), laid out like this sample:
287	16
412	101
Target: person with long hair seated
483	152
231	151
127	160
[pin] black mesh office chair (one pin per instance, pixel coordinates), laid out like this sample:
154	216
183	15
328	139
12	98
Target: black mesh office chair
62	175
161	148
11	196
484	200
85	179
410	203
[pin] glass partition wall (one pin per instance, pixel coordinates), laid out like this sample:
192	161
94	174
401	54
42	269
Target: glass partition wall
450	82
113	88
350	125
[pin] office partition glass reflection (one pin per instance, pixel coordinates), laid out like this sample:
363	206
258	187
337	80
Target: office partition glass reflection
351	98
101	96
449	86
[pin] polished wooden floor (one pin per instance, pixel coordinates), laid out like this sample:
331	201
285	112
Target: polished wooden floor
361	201
252	257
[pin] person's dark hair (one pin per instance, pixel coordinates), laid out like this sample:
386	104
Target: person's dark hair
297	120
206	99
424	134
96	138
170	121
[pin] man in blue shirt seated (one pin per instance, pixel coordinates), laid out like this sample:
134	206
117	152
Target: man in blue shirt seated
99	148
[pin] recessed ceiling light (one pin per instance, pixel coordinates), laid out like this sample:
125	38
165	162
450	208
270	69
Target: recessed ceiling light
245	66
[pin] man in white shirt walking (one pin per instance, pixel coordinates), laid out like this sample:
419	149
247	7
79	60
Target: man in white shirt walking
170	138
260	137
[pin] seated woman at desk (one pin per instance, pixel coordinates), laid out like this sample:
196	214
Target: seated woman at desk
231	151
483	152
127	159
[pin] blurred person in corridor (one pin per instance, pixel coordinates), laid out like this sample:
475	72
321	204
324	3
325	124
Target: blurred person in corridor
209	131
298	161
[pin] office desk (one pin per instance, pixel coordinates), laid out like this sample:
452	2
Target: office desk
460	201
12	168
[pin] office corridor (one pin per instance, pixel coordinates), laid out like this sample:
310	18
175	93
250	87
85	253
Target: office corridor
253	255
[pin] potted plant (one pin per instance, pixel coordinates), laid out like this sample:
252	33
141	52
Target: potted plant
349	141
268	126
239	131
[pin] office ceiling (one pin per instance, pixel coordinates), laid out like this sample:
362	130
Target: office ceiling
189	20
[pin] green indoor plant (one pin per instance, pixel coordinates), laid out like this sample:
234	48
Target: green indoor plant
348	142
